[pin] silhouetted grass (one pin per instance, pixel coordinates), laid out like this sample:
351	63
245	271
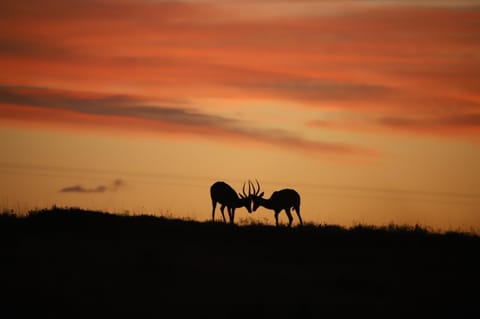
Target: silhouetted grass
69	262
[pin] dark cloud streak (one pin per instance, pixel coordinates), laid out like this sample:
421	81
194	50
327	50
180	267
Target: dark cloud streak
457	124
185	120
81	189
115	185
113	105
452	121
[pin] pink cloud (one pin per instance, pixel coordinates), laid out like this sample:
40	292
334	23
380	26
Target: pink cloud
377	61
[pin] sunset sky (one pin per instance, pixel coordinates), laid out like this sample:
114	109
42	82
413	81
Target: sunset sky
369	109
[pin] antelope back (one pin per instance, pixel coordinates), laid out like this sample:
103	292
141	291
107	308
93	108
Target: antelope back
223	193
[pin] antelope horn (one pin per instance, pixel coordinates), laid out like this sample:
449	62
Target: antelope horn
249	189
258	190
243	190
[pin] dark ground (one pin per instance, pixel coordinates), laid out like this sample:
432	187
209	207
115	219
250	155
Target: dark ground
70	263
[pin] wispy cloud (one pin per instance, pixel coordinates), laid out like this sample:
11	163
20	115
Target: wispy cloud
117	184
103	105
465	125
131	114
114	186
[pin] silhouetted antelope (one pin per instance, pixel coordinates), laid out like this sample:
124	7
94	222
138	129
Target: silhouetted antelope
224	194
284	199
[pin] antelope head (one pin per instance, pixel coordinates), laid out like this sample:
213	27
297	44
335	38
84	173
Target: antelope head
256	197
246	199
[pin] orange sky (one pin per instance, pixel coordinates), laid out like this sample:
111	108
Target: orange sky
370	109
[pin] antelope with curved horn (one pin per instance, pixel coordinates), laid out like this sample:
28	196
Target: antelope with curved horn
284	199
222	193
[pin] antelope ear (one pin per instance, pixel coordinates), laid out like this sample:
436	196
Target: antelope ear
261	194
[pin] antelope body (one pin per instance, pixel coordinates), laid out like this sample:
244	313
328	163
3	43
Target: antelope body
225	195
284	199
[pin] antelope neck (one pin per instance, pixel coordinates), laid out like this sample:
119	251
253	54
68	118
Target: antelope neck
239	202
265	202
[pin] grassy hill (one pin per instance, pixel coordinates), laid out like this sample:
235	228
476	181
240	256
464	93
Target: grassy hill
66	263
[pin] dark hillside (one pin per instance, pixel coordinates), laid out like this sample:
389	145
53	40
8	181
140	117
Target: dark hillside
65	263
